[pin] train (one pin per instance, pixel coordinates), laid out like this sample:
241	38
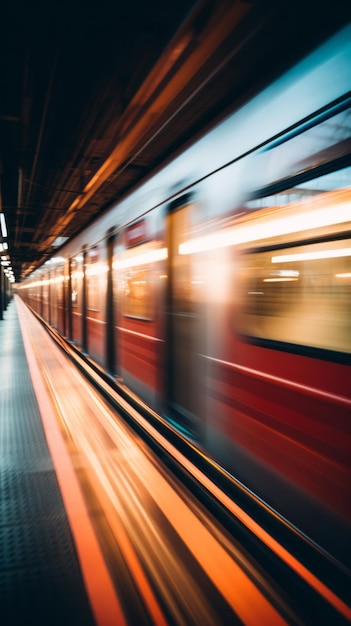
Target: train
219	291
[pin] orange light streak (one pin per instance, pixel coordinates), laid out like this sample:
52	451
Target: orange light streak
104	602
234	584
240	514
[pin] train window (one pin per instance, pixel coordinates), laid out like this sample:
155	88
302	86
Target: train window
92	293
45	291
296	287
138	294
76	278
94	269
60	283
299	295
333	181
137	279
302	155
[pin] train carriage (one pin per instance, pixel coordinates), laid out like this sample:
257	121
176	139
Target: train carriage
219	291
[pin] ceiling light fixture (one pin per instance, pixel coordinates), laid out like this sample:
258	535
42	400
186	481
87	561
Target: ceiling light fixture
3	225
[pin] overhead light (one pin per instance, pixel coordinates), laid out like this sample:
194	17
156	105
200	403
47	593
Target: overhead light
5	245
59	241
3	225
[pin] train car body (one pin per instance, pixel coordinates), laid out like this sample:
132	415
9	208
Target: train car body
219	291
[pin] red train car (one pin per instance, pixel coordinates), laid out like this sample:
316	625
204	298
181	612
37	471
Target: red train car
219	291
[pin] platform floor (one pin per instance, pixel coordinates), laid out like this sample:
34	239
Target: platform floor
40	577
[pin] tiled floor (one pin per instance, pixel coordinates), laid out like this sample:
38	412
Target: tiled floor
40	578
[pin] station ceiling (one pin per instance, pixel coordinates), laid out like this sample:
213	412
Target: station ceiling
93	98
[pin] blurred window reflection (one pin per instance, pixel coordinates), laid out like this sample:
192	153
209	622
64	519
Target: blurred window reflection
93	293
45	290
332	181
299	155
92	274
298	289
304	301
138	300
137	269
75	278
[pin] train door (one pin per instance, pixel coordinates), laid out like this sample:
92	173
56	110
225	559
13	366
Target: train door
53	297
183	328
41	297
115	311
61	299
46	296
68	299
110	351
77	298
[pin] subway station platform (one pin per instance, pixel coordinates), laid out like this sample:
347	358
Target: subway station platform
95	530
40	576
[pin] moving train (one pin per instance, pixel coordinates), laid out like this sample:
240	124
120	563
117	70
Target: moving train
219	291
